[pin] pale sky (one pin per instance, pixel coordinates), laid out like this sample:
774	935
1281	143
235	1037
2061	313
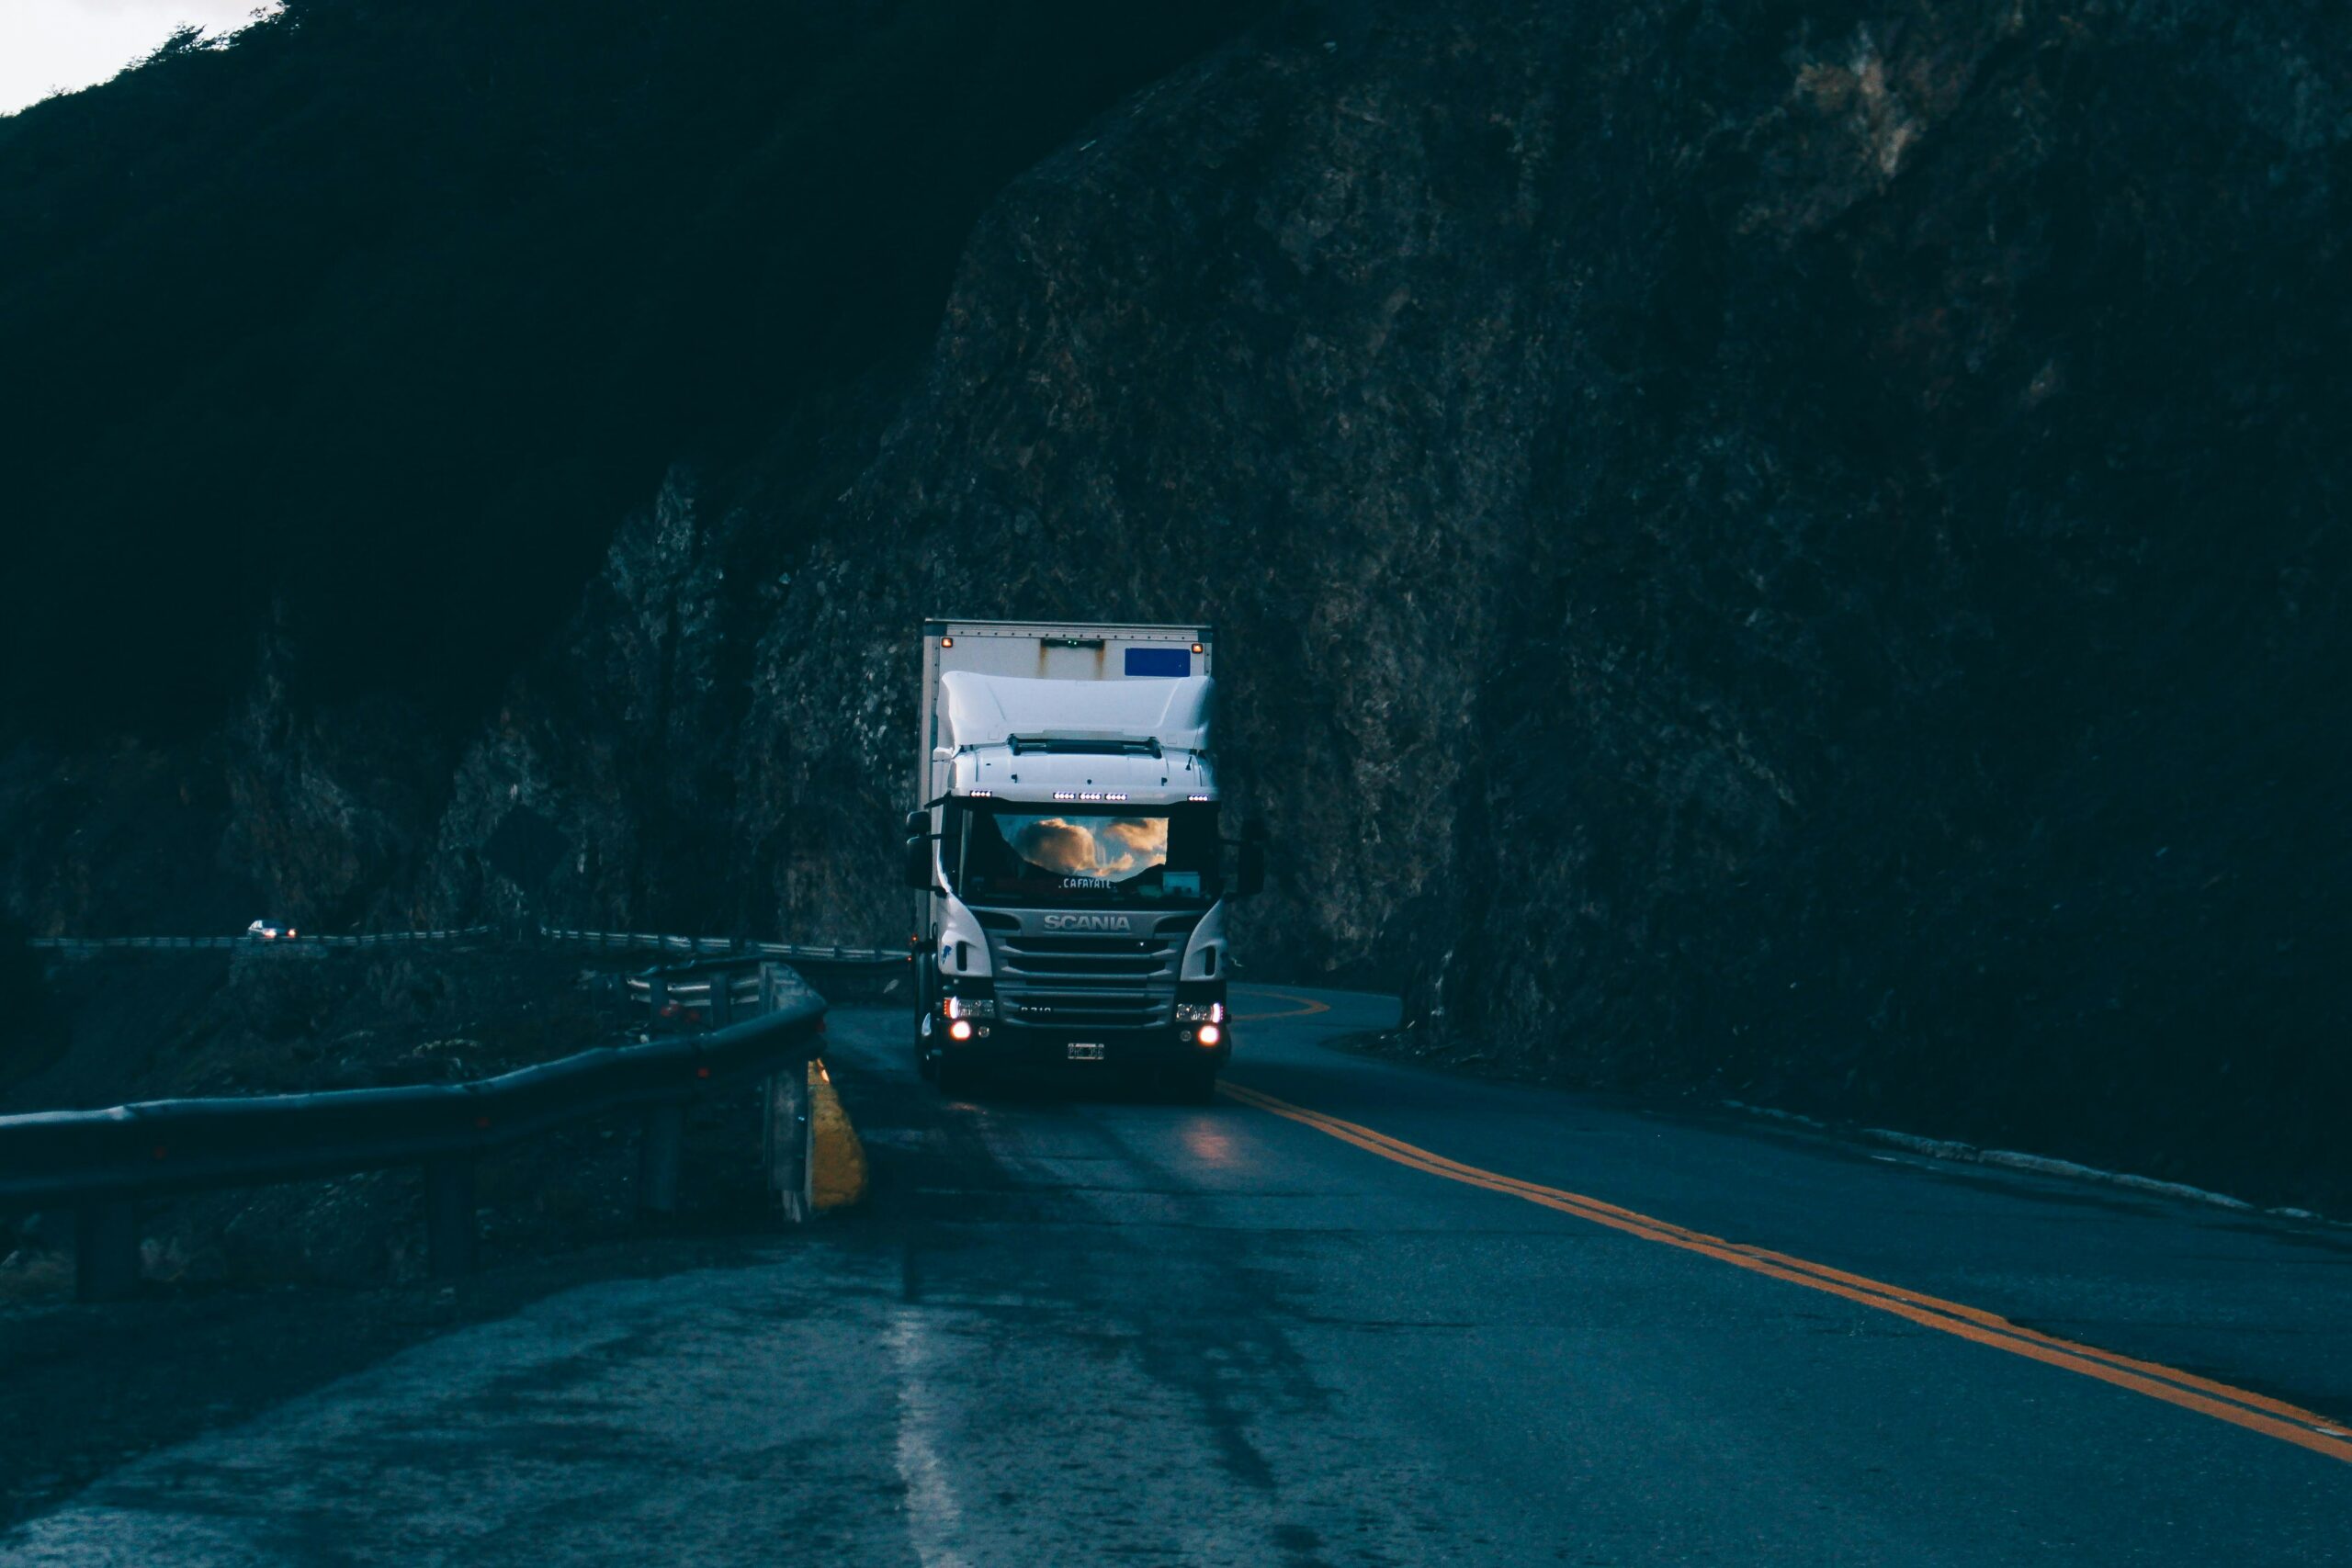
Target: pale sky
51	45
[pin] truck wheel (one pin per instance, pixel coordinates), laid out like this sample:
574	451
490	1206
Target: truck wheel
956	1076
1191	1086
926	1065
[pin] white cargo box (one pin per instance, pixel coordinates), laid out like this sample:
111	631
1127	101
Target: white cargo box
1045	650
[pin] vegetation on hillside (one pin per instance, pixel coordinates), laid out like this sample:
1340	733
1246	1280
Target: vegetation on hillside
372	323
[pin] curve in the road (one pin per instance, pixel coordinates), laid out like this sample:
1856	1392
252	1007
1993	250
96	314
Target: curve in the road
1075	1323
2240	1407
1301	1007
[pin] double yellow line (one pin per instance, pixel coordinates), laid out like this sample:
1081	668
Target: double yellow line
2238	1407
1307	1006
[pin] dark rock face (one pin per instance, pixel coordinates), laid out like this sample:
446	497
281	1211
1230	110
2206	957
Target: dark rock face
1777	546
1794	550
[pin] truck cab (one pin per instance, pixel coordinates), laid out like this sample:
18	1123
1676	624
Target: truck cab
1070	855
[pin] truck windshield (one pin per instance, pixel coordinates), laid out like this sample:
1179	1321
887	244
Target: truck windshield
1032	854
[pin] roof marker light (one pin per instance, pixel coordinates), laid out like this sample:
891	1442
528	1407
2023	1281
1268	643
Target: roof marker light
1198	648
1065	795
947	642
1116	794
1196	797
981	794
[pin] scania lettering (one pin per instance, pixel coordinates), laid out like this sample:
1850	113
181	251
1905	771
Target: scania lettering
1071	864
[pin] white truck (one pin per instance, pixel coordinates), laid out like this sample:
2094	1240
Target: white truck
1072	873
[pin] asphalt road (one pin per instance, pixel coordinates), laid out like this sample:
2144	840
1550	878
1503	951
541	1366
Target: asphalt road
1383	1321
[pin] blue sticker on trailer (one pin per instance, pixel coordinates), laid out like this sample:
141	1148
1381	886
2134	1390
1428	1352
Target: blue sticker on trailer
1160	662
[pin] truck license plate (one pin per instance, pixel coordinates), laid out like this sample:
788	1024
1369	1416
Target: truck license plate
1080	1051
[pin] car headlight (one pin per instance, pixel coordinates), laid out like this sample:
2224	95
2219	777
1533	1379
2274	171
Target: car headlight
968	1006
1199	1012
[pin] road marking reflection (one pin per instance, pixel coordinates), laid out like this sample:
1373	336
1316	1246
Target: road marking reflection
1307	1006
2224	1402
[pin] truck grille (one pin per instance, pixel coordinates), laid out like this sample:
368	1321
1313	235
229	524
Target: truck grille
1063	981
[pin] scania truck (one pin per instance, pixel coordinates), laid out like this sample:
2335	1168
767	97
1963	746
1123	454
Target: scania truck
1071	866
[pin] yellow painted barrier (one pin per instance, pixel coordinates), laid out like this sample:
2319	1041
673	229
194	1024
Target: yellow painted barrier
837	1160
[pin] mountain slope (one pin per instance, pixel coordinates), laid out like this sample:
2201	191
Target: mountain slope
371	324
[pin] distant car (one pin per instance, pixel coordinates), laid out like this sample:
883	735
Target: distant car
268	931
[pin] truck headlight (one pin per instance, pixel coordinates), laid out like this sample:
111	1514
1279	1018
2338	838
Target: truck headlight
968	1006
1199	1012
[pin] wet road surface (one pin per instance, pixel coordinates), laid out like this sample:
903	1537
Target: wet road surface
1361	1314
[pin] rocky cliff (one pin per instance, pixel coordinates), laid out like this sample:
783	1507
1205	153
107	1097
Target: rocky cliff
1794	549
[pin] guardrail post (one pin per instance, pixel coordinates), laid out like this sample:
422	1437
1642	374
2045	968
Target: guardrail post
787	1139
449	1236
106	1251
657	1158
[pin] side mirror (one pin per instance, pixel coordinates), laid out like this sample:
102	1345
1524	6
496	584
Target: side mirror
1250	869
919	863
918	821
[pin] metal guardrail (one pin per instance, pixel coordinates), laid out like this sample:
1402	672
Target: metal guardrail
102	1162
198	944
714	1000
602	942
806	953
713	994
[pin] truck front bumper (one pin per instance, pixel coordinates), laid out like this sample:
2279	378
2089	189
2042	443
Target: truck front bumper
1021	1045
